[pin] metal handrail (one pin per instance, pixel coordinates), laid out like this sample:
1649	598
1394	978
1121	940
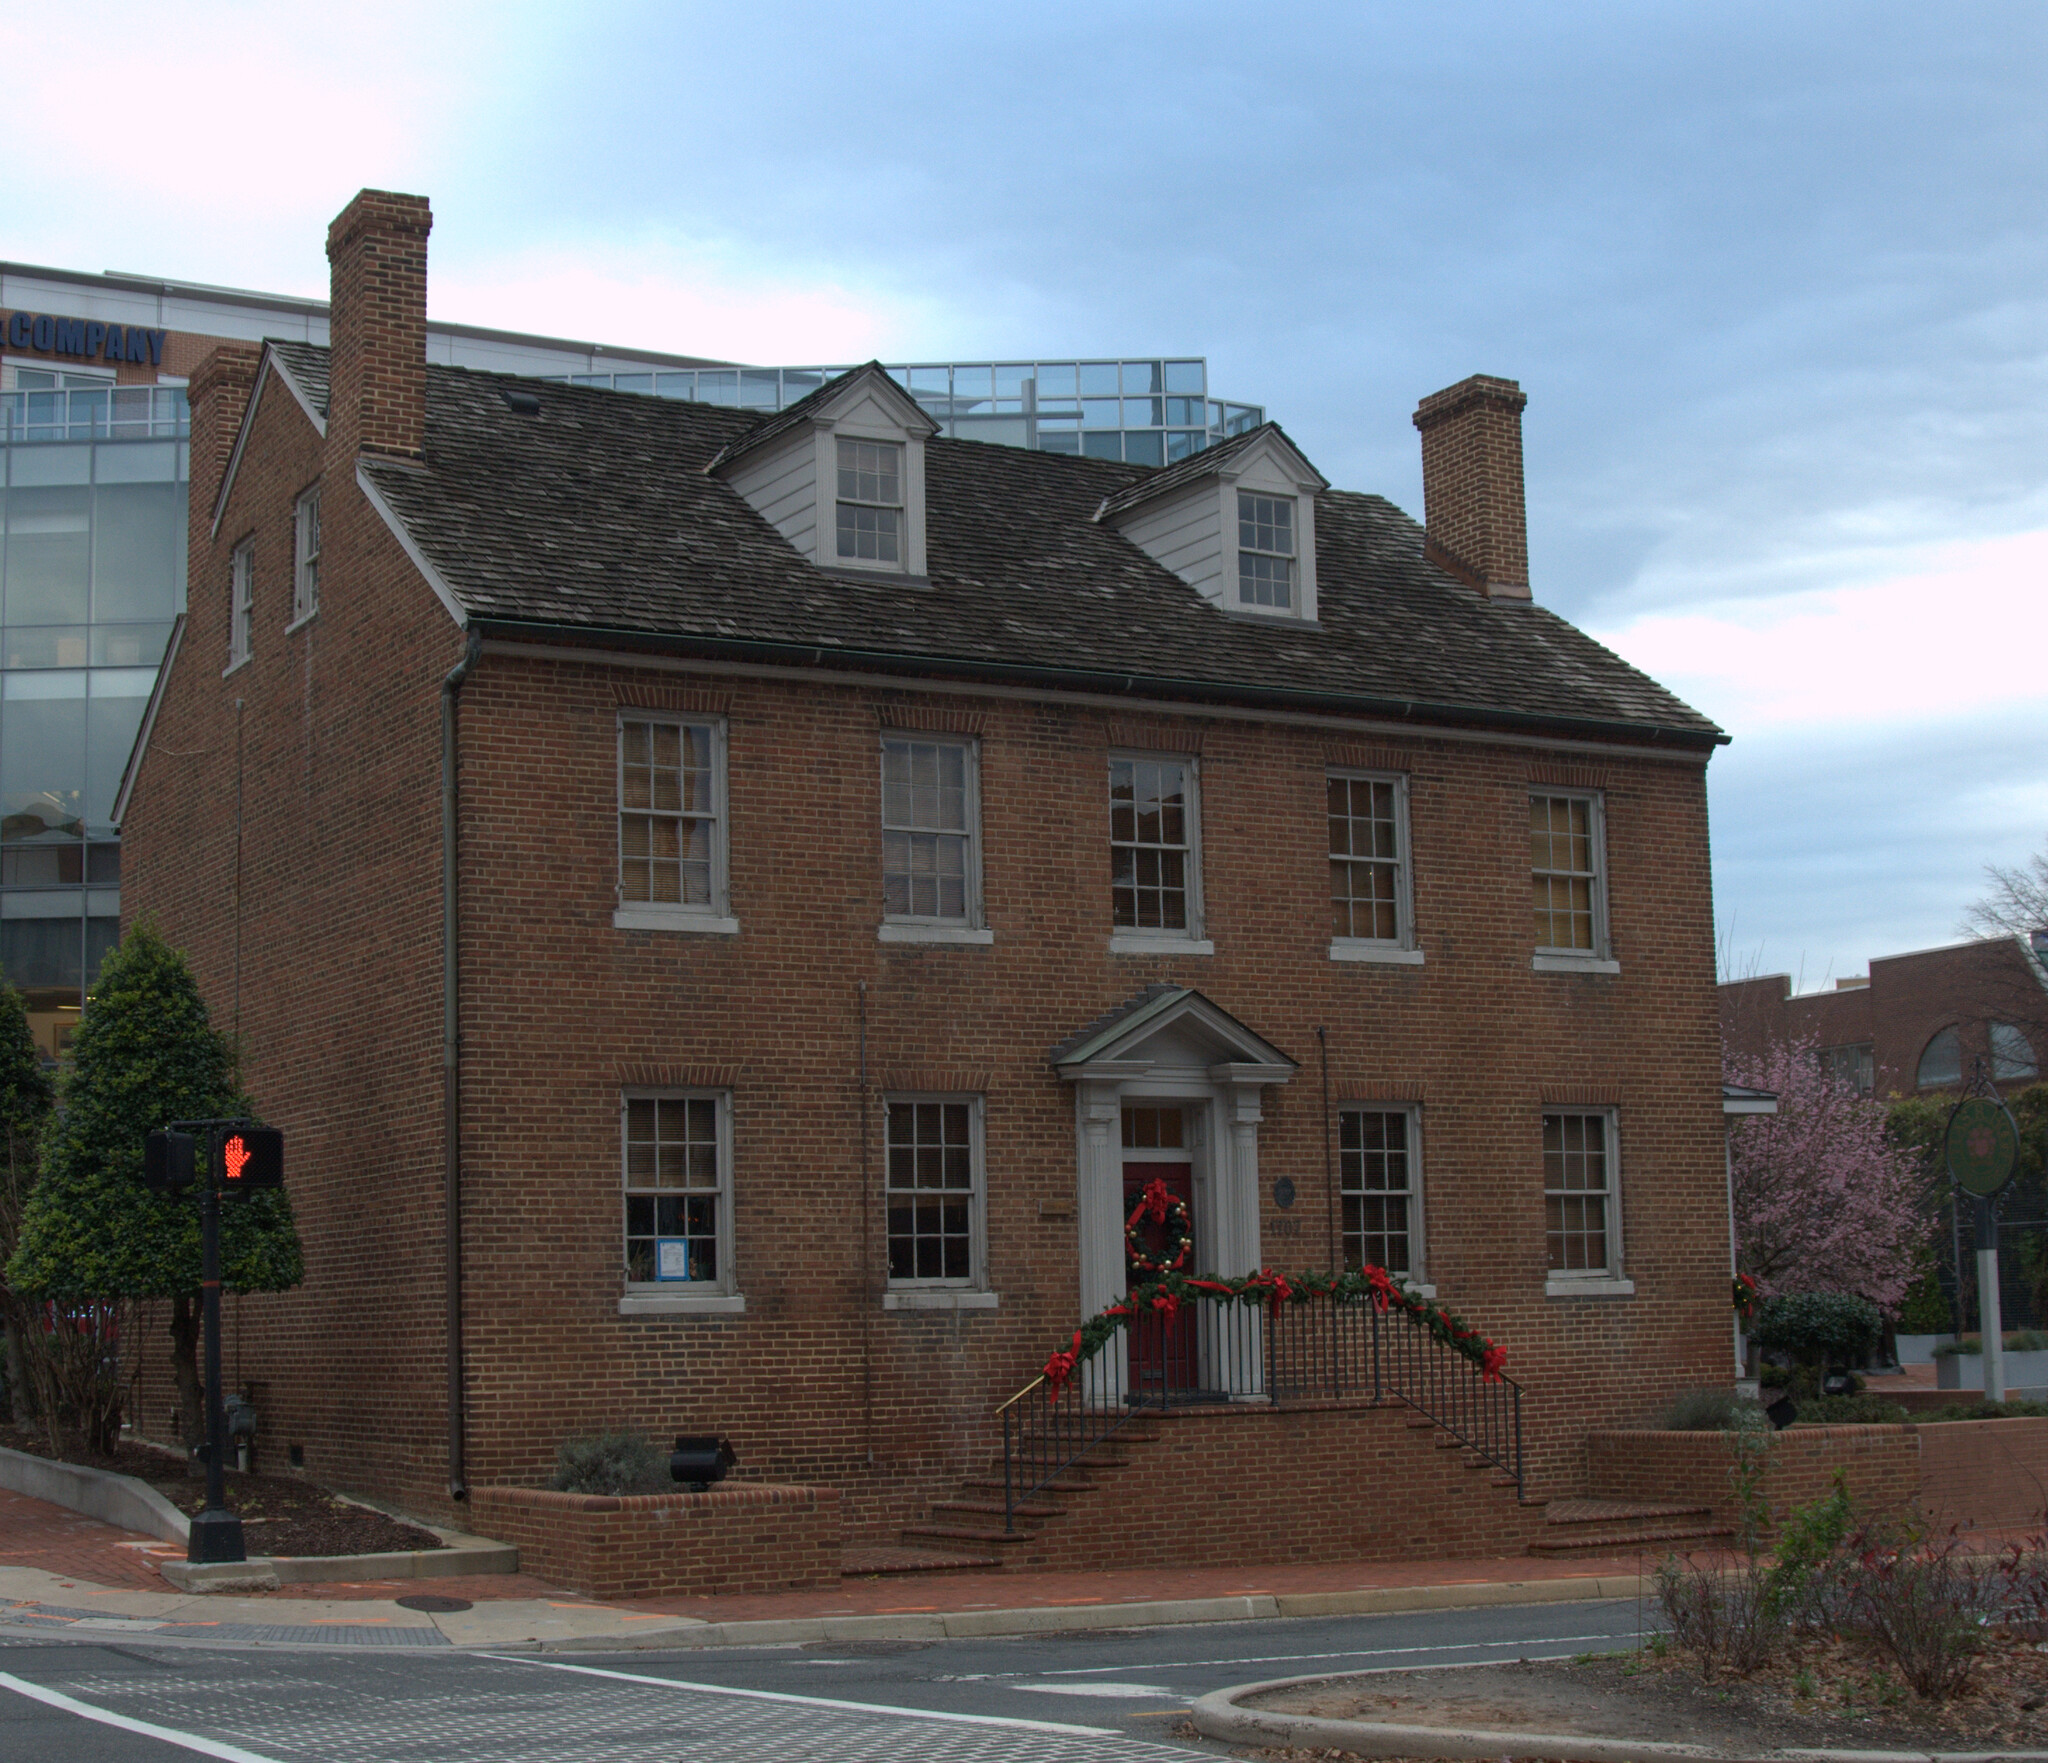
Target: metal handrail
1217	1352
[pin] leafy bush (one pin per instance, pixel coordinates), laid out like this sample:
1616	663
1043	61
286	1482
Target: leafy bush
1803	1586
610	1463
1708	1410
1801	1382
1819	1328
1986	1411
1926	1309
1851	1411
2023	1340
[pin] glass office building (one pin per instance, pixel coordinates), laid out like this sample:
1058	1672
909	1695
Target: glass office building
1148	412
92	572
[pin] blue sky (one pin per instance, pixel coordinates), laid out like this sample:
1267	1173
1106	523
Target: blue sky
1775	280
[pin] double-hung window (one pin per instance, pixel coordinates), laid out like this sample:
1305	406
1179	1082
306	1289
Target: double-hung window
306	557
1155	869
933	1155
931	858
677	1155
1265	551
1568	878
1581	1201
1369	885
672	861
870	505
241	601
1379	1181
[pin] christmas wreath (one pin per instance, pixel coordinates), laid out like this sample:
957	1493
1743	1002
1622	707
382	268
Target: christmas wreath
1745	1296
1158	1204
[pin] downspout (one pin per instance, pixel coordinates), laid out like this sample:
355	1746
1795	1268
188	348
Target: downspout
451	1069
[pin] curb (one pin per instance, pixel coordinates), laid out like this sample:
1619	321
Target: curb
98	1493
464	1554
1161	1613
1217	1716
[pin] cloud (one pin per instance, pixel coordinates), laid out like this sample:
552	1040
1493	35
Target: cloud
1962	633
681	299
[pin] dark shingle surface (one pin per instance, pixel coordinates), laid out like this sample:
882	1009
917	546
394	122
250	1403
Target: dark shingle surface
597	514
308	365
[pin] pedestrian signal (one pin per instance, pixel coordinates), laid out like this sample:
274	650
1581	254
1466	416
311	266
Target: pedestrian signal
167	1162
249	1157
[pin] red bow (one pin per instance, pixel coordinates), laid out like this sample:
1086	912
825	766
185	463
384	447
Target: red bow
1167	1305
1490	1363
1153	1202
1060	1366
1382	1288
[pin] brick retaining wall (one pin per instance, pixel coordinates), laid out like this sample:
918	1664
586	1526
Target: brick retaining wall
730	1539
1883	1465
1990	1473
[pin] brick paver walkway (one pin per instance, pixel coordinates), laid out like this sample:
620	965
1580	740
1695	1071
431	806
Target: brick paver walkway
34	1533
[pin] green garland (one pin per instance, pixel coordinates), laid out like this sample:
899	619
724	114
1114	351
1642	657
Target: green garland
1369	1285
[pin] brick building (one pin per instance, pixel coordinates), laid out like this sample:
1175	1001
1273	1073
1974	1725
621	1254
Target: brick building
1914	1023
729	905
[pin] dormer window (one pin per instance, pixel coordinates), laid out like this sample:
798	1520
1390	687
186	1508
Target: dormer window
1265	550
870	501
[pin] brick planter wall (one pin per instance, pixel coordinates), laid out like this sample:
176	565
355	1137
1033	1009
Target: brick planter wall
1882	1463
732	1539
1989	1473
1236	1486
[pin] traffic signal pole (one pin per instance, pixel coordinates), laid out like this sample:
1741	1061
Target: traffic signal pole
244	1157
216	1533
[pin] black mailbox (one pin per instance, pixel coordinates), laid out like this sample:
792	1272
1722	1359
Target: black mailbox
697	1463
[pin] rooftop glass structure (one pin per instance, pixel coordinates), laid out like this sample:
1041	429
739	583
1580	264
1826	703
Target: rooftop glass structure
1148	412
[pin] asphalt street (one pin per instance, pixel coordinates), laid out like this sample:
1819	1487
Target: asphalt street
1103	1696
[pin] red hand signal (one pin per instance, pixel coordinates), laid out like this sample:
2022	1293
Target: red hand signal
235	1154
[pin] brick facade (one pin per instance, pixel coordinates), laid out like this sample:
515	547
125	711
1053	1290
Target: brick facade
1881	1464
1903	1003
338	992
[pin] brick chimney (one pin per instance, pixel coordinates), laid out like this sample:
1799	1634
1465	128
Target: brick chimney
219	397
377	326
1472	484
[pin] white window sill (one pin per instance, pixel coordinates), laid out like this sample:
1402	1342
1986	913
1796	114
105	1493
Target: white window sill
934	933
702	924
937	1298
1574	964
301	623
234	666
1592	1286
645	1303
1130	942
1359	949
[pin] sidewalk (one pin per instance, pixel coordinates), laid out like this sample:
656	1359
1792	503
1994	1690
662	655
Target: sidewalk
61	1571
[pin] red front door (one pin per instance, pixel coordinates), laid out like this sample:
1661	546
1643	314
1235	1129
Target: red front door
1162	1349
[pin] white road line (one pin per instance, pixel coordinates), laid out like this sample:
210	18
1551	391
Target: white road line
149	1729
1143	1692
1556	1640
719	1689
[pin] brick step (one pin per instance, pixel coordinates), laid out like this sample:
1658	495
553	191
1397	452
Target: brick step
1630	1542
1037	1509
1612	1513
866	1560
966	1535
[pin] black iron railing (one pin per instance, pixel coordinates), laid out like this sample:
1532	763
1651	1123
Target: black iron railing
1213	1351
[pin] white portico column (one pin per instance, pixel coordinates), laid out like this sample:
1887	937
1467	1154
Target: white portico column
1099	1201
1236	1198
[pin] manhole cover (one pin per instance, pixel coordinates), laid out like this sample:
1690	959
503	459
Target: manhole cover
433	1603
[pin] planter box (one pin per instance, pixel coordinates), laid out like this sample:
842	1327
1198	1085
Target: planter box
1918	1349
1965	1371
746	1538
1880	1463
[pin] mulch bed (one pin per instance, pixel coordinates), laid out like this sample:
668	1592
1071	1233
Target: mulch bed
280	1514
1819	1694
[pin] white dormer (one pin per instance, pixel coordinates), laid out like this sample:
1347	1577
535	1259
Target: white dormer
1236	523
841	474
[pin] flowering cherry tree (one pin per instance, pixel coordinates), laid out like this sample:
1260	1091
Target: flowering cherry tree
1824	1202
